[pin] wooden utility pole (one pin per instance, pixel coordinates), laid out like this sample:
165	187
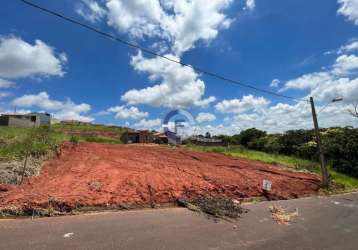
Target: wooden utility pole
324	170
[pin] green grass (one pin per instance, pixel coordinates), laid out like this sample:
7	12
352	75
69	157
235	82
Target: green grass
343	180
15	142
13	146
97	139
12	134
87	128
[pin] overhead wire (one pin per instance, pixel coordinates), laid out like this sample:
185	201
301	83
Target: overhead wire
153	53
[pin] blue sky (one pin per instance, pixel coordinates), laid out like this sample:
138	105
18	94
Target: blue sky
297	48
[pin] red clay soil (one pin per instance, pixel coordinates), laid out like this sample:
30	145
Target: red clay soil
92	174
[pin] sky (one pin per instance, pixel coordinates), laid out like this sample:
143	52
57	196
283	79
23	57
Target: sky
298	48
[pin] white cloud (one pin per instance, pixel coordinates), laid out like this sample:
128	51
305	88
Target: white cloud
205	102
138	17
148	124
275	83
194	21
205	117
5	84
90	10
307	81
21	59
250	4
339	87
345	65
177	86
282	117
350	47
181	23
338	80
67	110
128	113
237	106
349	8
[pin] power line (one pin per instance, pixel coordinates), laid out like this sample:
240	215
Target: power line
148	51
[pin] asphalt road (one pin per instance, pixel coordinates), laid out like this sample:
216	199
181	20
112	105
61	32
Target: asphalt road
322	223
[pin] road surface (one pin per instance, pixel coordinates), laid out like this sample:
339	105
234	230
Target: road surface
323	223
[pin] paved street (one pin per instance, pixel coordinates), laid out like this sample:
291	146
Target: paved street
323	223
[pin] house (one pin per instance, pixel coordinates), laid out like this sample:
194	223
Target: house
137	136
160	138
41	118
25	120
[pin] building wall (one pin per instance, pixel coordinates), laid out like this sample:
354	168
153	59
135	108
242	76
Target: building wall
42	118
21	122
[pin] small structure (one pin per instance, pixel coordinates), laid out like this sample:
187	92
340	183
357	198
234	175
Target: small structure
25	120
160	138
137	136
41	118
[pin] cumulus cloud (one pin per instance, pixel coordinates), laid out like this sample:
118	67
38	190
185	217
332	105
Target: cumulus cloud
337	87
307	81
177	86
181	23
349	9
205	117
345	65
194	21
90	10
281	117
148	124
352	46
21	59
339	81
67	110
138	17
248	102
128	113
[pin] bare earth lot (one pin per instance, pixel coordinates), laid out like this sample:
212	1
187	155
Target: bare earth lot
92	174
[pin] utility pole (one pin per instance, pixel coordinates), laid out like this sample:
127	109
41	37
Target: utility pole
324	170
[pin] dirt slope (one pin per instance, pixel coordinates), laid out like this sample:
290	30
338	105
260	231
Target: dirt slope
93	174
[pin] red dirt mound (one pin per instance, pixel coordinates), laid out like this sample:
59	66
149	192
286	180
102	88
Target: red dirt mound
93	174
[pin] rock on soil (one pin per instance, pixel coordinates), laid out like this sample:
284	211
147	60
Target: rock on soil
92	174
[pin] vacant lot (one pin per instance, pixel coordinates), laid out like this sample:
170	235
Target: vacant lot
92	174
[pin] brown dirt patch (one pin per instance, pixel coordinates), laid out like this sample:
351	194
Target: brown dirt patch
91	174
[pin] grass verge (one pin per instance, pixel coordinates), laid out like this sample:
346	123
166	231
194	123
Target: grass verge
342	180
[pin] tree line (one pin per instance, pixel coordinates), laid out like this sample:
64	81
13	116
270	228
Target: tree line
340	145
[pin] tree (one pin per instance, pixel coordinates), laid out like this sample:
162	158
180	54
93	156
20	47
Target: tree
207	135
249	135
354	110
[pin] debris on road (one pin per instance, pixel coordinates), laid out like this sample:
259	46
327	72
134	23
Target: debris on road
216	207
281	216
68	235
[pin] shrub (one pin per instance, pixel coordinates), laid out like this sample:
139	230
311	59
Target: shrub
292	139
247	136
341	148
74	139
